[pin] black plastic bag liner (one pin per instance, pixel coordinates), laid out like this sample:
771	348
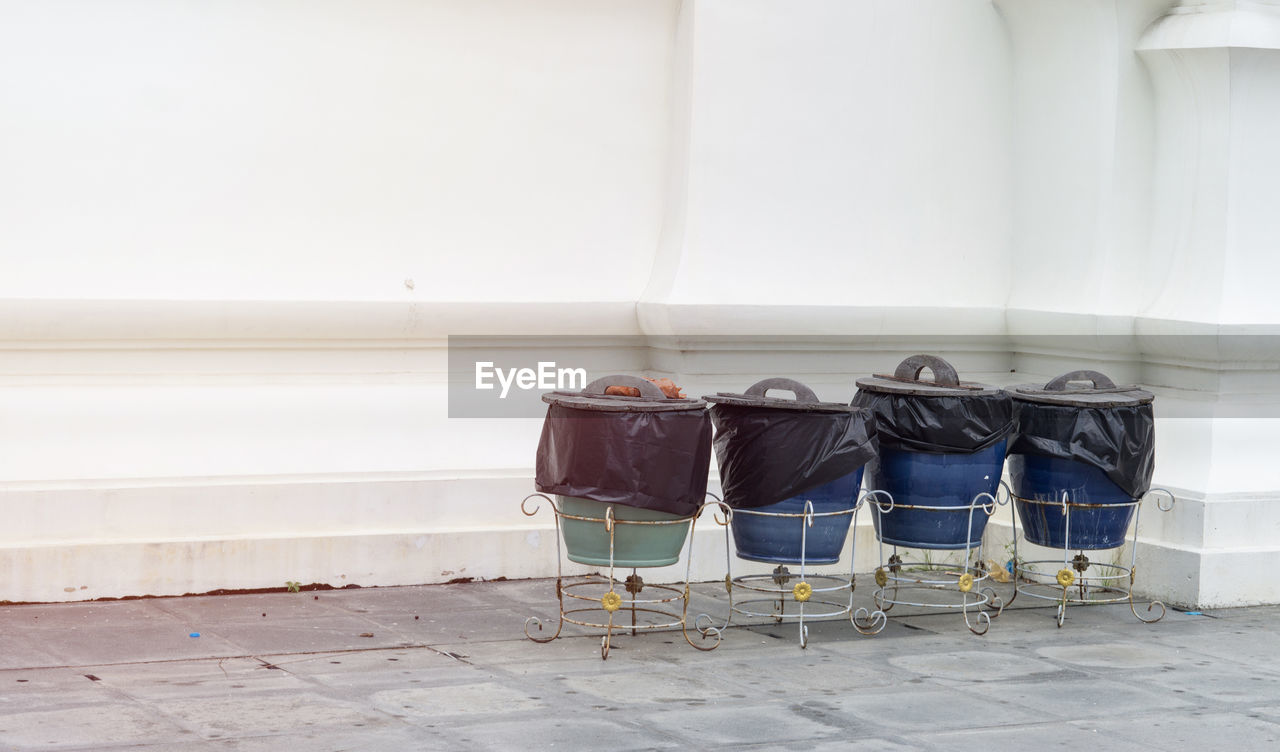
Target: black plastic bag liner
1112	428
650	451
943	416
771	449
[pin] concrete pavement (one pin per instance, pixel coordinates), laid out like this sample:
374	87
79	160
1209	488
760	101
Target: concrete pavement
447	667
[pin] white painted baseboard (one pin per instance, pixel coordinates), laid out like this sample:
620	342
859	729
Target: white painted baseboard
430	528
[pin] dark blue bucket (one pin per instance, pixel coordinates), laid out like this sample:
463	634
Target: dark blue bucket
934	480
777	540
1044	479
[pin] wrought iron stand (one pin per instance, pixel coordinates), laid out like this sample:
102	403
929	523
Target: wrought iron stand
601	591
896	577
815	595
1075	582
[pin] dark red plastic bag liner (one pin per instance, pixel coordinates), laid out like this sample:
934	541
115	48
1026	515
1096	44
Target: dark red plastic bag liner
943	416
1110	427
650	452
772	449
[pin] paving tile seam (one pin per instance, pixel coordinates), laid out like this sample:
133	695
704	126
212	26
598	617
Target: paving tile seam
648	713
712	655
553	697
1136	741
465	722
600	703
152	712
209	658
1096	717
364	709
343	696
922	738
690	651
200	743
1163	715
1129	734
1114	672
142	747
878	728
166	606
686	741
1040	676
434	646
1217	666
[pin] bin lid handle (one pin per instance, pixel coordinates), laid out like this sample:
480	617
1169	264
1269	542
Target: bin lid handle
1099	381
944	374
802	393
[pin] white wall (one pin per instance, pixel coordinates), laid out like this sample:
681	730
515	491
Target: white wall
842	153
329	151
234	239
311	181
1141	169
213	372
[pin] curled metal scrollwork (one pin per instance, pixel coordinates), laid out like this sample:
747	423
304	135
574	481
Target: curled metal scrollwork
1008	494
1150	606
984	622
1166	500
707	631
987	506
719	504
536	622
994	601
524	504
869	622
884	507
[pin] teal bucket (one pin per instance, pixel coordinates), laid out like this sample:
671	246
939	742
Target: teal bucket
633	545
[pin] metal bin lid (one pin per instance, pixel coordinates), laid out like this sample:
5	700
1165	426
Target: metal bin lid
593	398
804	399
906	380
1066	390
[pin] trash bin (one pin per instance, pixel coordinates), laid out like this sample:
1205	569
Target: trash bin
647	457
776	455
1083	438
942	443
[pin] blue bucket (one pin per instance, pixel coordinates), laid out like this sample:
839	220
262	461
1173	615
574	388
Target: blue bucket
777	540
934	480
1045	479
